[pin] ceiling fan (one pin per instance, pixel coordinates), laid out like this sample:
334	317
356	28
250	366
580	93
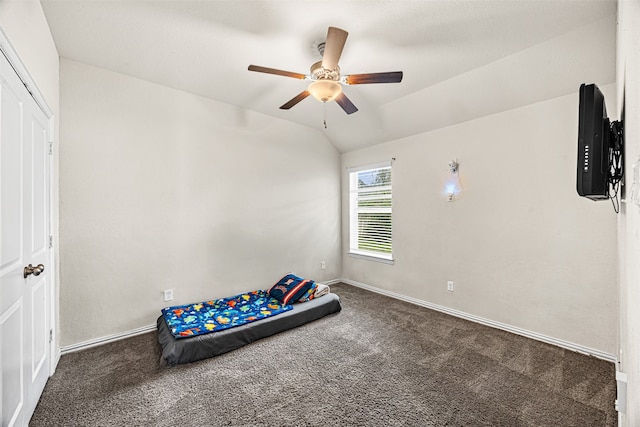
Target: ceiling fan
325	75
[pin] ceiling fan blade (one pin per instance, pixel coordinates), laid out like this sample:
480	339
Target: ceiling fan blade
346	104
299	97
359	79
267	70
336	38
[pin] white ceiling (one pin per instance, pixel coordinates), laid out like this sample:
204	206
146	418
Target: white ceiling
461	59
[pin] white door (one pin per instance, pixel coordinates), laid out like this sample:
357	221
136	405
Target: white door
24	235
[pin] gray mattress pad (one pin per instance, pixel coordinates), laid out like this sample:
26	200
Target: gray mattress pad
186	350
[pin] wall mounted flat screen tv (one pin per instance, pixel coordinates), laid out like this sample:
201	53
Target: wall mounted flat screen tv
594	143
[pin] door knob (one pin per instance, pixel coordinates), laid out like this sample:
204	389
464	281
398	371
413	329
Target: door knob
30	269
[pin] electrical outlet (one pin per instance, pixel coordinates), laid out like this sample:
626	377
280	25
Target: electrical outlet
168	294
450	286
323	265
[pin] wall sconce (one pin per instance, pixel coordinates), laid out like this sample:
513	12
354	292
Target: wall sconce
453	187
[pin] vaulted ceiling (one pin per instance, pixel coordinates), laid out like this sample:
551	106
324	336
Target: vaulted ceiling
461	59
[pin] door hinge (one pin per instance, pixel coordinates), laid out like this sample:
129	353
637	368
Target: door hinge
50	147
51	242
50	336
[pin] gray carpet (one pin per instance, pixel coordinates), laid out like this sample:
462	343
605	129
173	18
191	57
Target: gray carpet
380	362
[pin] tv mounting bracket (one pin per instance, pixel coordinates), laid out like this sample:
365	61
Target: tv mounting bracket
616	158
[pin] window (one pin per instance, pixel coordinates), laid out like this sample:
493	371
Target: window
370	211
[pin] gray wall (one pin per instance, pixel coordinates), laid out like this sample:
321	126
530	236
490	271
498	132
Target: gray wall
522	248
161	189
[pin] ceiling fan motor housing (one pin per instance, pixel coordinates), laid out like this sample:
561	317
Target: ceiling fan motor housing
318	72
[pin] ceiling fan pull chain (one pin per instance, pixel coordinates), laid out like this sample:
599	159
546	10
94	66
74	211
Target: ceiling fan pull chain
325	114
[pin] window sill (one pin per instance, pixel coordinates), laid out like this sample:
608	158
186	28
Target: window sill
370	257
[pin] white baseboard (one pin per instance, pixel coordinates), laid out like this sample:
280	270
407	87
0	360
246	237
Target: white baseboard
477	319
333	282
107	339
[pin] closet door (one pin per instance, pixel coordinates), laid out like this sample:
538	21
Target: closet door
24	250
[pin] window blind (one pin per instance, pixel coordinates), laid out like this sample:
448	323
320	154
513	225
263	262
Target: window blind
371	211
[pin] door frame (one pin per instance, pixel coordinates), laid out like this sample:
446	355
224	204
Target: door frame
23	73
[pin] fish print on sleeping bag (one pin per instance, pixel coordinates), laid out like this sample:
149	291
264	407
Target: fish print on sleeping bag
224	313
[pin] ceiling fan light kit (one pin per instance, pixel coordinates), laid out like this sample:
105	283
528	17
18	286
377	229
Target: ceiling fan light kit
325	90
325	75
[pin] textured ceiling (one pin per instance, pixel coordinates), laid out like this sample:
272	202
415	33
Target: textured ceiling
461	59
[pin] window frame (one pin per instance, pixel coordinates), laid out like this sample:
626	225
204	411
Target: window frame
354	210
